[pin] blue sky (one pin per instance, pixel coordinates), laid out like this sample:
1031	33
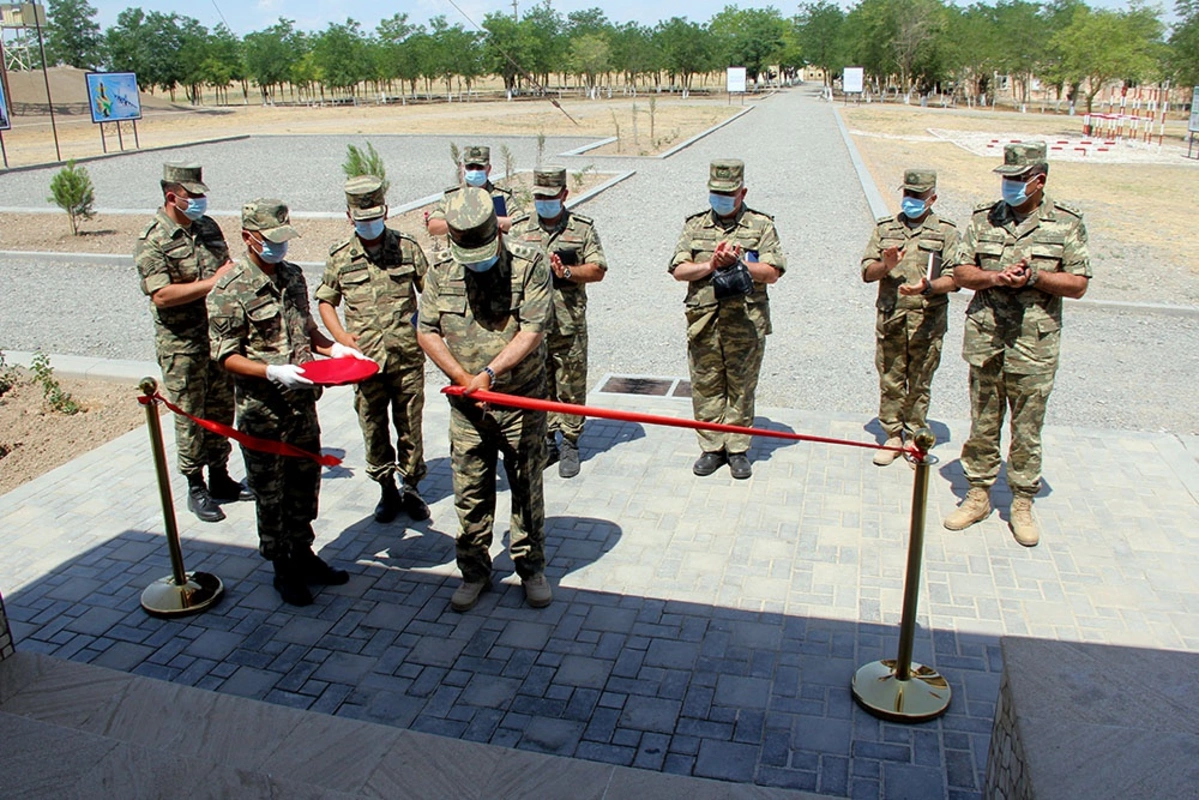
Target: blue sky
250	15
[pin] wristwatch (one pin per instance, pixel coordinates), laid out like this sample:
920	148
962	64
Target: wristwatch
928	288
566	273
490	375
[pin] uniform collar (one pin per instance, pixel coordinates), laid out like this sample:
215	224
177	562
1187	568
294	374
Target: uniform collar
719	222
171	226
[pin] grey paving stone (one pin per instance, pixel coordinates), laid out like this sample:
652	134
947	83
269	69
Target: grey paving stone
651	714
908	782
726	760
556	736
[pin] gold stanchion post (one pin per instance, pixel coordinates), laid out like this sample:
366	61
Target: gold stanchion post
180	592
900	690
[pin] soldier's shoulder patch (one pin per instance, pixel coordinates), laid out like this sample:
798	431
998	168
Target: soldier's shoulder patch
947	222
521	220
582	219
699	214
502	190
984	207
884	220
452	189
150	226
1068	208
758	213
230	276
529	252
334	248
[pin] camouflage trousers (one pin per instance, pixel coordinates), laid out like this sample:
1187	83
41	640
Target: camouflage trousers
724	355
400	393
477	438
566	376
202	388
286	487
907	353
993	392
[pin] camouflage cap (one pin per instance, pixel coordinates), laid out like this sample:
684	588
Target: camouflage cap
476	154
919	180
1020	157
365	197
470	216
188	175
269	218
726	175
549	181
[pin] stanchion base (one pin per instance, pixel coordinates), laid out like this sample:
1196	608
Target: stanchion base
925	696
165	598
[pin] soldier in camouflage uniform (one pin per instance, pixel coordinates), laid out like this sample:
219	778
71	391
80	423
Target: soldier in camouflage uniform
483	316
379	272
726	338
180	256
261	330
1021	256
907	255
476	171
576	259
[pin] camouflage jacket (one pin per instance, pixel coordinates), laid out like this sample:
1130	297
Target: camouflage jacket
513	204
1022	324
929	249
575	240
381	295
752	230
264	318
167	253
479	313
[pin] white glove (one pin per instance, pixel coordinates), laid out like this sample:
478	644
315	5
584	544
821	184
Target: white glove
339	350
287	376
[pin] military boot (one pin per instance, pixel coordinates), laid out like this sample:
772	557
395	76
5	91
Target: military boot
289	583
568	467
200	502
975	508
884	458
537	591
313	569
467	594
1024	524
551	450
390	501
414	505
222	487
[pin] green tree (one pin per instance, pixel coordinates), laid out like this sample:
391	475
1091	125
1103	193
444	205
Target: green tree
971	50
686	49
590	56
224	63
550	47
634	53
750	38
508	50
1183	56
149	44
820	26
340	54
193	53
71	190
270	54
1101	46
73	35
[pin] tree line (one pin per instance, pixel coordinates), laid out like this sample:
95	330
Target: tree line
908	46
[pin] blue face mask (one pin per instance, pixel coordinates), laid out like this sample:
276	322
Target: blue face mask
1015	193
196	208
273	252
548	209
369	229
476	177
483	266
722	204
913	207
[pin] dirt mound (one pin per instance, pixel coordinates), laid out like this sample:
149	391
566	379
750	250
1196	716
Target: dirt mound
68	87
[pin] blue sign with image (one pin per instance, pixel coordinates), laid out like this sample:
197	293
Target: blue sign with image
113	96
5	116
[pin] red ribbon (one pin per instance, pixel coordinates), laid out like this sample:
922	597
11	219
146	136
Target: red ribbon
244	439
533	404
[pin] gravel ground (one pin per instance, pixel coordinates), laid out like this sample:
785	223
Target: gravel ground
820	356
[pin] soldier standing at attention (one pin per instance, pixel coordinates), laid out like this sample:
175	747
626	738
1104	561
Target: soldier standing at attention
483	315
727	255
379	272
576	259
1021	256
261	330
180	256
907	255
476	172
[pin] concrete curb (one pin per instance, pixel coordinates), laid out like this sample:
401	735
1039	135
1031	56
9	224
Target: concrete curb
104	156
112	369
874	198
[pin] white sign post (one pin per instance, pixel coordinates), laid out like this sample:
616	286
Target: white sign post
852	81
736	83
1193	124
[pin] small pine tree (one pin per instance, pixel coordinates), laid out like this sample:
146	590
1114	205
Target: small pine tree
365	162
455	156
71	190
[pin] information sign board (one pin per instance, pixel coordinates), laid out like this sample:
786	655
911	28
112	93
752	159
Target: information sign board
113	96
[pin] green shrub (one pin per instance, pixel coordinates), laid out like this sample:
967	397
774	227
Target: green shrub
56	397
365	162
71	190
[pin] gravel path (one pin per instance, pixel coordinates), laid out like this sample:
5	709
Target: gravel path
820	356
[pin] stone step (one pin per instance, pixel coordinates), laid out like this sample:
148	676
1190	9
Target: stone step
121	735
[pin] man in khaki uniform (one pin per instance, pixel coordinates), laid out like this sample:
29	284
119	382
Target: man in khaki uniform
1021	256
911	257
180	256
476	172
483	315
379	273
261	331
728	312
576	259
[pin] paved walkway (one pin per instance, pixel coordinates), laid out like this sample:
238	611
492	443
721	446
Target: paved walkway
704	627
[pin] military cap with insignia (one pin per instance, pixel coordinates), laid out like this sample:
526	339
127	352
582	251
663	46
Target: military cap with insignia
726	175
473	227
919	180
188	175
548	182
365	197
476	154
1020	157
269	218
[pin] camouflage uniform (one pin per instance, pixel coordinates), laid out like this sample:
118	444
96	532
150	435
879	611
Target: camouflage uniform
726	339
478	314
479	154
267	319
576	241
380	291
1013	336
909	329
167	253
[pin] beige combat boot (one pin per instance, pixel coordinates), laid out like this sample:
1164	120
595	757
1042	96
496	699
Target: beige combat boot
975	508
1024	524
883	458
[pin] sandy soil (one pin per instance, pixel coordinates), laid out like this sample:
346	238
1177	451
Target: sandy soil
35	440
